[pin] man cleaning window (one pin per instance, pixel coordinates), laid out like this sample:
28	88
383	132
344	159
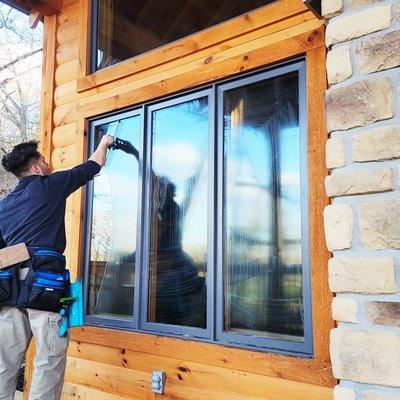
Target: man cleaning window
30	292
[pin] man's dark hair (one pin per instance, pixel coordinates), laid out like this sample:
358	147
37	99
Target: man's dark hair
19	158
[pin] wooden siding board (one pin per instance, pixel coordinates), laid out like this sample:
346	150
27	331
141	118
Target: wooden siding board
287	34
68	31
321	295
263	363
67	51
48	85
84	38
66	72
64	135
189	76
197	374
201	59
73	392
248	22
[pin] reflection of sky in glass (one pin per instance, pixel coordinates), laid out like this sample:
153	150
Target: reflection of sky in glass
262	209
180	146
248	177
115	194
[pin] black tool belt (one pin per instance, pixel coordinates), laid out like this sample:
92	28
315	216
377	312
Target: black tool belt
46	282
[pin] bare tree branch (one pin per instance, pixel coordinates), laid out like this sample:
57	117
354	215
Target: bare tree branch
18	59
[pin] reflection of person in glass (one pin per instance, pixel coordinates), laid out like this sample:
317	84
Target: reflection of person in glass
177	295
176	292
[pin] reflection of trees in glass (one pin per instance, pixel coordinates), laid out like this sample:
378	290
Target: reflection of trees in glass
263	292
101	232
177	277
113	238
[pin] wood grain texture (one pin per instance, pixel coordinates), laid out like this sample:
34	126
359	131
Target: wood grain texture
267	364
218	383
224	64
197	374
268	15
84	38
74	392
29	359
205	58
64	135
67	51
317	137
67	31
100	359
48	85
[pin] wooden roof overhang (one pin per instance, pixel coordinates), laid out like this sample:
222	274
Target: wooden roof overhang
44	7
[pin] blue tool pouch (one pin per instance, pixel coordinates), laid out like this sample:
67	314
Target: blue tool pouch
9	286
47	290
46	283
48	260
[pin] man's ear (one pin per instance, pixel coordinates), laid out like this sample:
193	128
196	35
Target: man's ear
35	169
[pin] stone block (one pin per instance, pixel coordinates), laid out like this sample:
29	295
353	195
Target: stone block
379	223
359	103
377	144
335	153
383	312
338	225
379	53
354	3
342	393
330	8
367	357
358	24
359	182
368	275
338	64
344	309
378	396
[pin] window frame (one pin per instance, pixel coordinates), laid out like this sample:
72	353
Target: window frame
267	18
236	338
93	55
122	323
159	327
214	333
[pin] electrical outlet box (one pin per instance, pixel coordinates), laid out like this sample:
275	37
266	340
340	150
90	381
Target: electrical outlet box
158	382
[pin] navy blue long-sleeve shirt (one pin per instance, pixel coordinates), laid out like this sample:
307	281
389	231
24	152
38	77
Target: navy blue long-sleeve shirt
33	213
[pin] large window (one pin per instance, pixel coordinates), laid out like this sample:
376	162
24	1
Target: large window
123	29
198	226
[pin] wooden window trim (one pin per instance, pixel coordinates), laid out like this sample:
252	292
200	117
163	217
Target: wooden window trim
316	371
267	17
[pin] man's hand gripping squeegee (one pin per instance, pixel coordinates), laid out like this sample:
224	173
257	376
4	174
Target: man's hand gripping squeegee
125	146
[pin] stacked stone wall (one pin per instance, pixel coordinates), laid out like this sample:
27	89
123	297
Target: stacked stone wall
362	225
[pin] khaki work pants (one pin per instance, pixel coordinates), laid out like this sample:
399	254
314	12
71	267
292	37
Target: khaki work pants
16	330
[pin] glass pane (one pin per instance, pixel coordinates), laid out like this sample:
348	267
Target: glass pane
126	29
262	210
178	233
113	233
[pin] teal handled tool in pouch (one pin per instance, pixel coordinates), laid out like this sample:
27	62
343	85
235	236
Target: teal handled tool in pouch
72	311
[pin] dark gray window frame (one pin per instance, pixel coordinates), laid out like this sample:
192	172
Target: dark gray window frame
122	323
165	328
215	297
236	338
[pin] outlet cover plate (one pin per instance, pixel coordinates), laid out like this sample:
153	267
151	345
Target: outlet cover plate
158	382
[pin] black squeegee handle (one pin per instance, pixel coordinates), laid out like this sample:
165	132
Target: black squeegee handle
125	146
